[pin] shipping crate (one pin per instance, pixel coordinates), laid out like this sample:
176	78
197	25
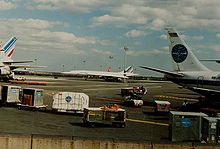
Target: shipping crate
32	97
209	129
10	94
185	126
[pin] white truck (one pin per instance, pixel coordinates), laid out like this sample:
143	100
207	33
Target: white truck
70	102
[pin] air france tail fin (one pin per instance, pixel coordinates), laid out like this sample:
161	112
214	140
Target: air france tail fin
182	57
9	46
129	69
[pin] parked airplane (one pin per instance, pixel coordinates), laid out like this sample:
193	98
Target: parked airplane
188	71
128	72
6	63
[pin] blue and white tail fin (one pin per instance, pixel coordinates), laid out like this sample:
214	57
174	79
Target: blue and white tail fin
182	57
129	69
9	46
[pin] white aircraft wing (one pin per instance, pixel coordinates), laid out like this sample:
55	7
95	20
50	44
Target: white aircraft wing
16	62
174	74
106	74
12	67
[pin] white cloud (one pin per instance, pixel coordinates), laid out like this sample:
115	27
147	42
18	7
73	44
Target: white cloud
218	35
74	6
164	37
135	33
157	24
101	52
143	53
6	5
35	34
151	13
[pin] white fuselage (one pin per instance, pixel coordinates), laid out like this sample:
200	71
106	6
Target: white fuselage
204	79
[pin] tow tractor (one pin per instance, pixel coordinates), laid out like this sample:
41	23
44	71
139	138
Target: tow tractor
133	90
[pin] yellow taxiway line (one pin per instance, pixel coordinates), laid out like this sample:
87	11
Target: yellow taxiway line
148	122
175	98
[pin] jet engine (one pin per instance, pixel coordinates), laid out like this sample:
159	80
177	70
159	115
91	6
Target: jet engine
5	70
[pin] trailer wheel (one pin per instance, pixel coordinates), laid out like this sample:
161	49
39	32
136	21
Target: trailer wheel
92	125
122	125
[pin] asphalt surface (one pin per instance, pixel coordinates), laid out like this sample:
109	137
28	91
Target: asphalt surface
141	125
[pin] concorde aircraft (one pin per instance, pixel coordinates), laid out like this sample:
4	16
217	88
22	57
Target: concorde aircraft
188	71
125	74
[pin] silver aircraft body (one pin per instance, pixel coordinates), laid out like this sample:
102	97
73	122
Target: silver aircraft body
128	72
188	71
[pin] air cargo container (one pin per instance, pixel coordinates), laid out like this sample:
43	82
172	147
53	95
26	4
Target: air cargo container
10	94
186	126
32	98
71	102
112	115
209	129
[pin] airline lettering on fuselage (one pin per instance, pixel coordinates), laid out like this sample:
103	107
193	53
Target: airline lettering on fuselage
179	53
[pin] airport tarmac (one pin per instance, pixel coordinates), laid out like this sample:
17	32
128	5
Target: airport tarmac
139	126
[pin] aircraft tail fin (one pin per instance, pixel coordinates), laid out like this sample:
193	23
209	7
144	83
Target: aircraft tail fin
129	69
9	46
182	56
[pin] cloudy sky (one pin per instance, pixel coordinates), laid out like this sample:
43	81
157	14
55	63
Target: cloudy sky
91	34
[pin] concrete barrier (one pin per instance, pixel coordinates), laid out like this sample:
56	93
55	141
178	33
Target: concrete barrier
15	142
53	142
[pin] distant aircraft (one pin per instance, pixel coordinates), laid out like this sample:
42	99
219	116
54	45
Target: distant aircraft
188	71
128	72
6	63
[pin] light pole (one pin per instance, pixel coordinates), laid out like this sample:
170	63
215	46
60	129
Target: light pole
63	67
84	63
35	60
110	57
125	49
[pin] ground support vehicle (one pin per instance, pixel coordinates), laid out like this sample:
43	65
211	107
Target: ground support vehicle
113	115
133	90
133	100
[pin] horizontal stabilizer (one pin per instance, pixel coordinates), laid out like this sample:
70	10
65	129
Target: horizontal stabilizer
174	74
12	67
15	62
211	60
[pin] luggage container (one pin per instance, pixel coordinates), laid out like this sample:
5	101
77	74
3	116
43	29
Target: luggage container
32	98
10	94
209	129
185	126
104	115
71	102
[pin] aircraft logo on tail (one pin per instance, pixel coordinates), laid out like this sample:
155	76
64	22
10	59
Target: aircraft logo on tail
130	69
9	46
179	53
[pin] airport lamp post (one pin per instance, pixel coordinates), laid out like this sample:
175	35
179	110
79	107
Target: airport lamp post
35	60
110	57
63	67
125	50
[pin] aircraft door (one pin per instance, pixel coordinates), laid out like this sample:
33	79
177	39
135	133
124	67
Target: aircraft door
200	80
